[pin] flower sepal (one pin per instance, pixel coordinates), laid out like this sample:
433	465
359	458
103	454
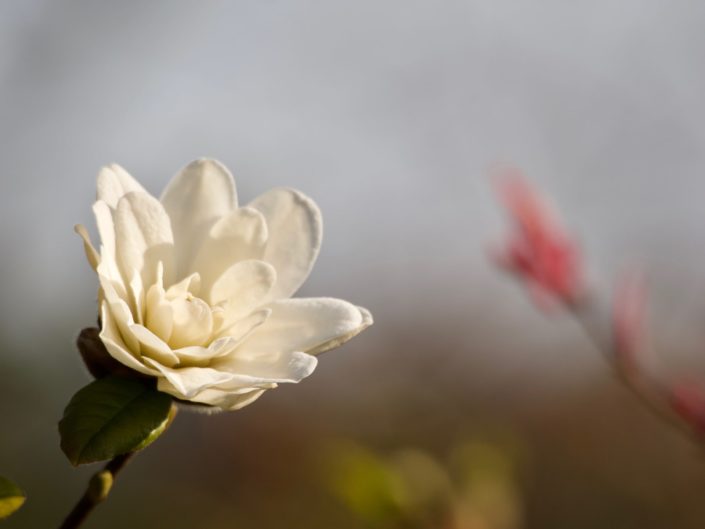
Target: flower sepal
96	358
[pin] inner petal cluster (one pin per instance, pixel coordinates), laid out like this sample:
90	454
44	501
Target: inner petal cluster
177	315
181	318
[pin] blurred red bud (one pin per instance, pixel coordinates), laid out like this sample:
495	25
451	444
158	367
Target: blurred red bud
539	251
687	399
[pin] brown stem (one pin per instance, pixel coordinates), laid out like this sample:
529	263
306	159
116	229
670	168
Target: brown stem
98	489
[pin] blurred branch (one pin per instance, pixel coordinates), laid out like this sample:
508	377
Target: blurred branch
645	389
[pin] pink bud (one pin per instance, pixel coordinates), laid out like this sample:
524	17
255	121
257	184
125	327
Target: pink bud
687	399
539	250
628	321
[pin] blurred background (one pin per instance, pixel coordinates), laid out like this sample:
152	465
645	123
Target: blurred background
389	113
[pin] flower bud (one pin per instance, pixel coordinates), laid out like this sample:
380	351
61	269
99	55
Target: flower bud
687	399
95	356
539	251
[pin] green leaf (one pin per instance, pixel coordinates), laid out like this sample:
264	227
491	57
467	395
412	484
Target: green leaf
112	416
11	497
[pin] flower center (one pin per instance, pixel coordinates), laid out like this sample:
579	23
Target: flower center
192	321
177	315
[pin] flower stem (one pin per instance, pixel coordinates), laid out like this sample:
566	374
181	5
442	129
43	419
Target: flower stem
97	491
648	391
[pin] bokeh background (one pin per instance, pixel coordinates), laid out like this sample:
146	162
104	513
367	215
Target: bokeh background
389	113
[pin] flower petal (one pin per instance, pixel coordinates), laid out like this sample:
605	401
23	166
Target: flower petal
114	183
120	311
153	347
159	316
193	356
193	322
237	236
91	253
262	369
106	229
295	232
340	340
201	356
143	238
185	382
137	296
226	400
243	327
190	284
307	324
195	198
242	287
110	336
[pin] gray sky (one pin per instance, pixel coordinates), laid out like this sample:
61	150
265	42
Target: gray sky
387	112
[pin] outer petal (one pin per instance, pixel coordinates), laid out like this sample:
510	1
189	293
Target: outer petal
119	310
263	369
340	340
143	238
195	198
295	233
106	229
111	337
91	253
307	324
226	400
114	182
186	382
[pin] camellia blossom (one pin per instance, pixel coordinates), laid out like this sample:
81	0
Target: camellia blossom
539	251
196	290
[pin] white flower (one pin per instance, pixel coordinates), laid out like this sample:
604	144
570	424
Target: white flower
195	290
